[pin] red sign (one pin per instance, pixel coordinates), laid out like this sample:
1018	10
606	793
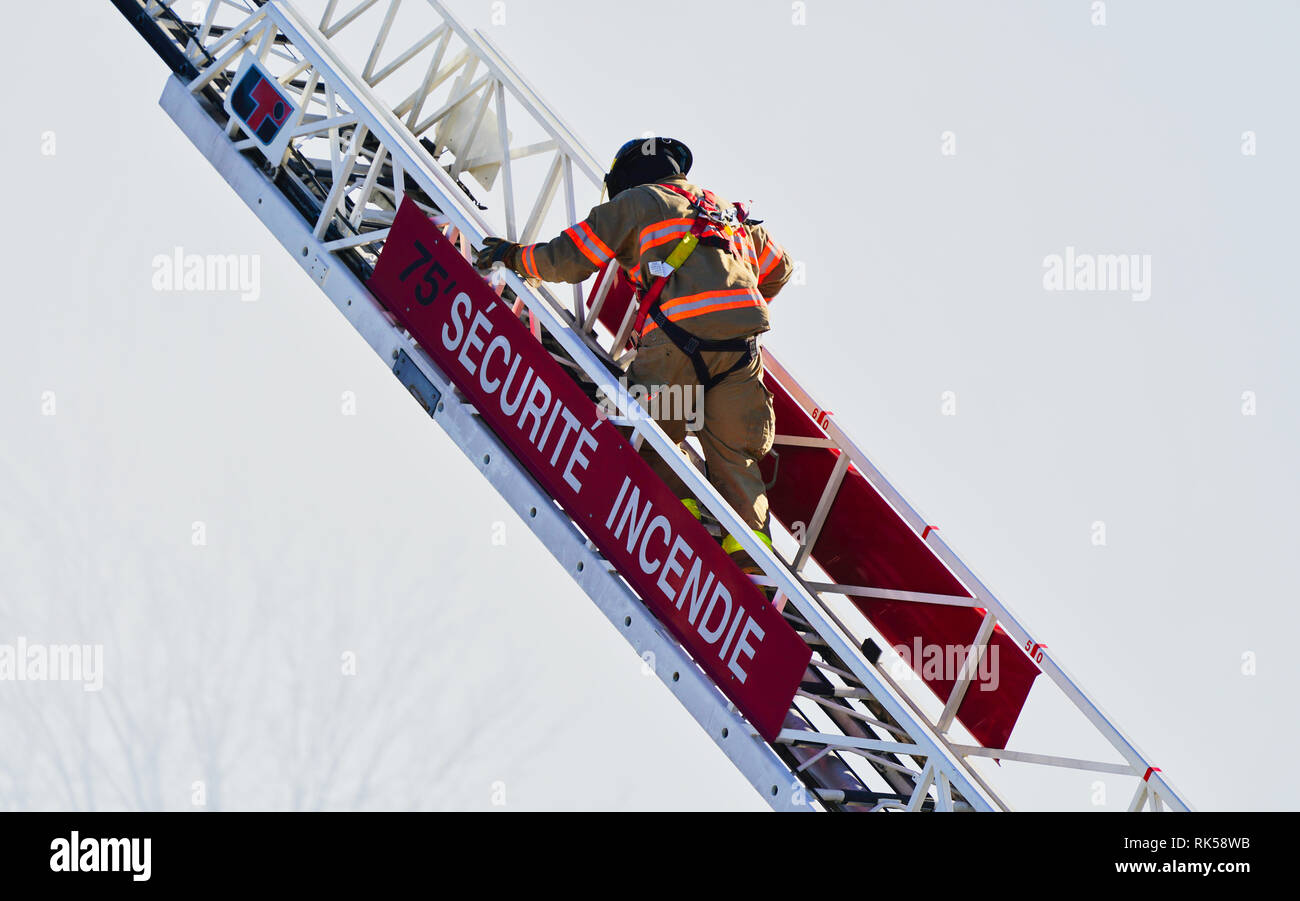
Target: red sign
582	460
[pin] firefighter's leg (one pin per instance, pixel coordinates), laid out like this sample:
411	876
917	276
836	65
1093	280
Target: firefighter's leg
738	428
659	366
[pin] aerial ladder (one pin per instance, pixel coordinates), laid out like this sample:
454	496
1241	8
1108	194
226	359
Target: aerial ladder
380	141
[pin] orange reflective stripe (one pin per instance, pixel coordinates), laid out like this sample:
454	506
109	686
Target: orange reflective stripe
690	312
717	308
693	299
601	246
772	254
577	238
664	239
588	244
662	232
679	224
741	246
528	260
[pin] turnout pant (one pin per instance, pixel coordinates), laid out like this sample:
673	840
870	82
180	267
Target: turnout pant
734	423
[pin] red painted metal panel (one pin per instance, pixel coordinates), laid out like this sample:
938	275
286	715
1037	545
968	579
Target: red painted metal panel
864	542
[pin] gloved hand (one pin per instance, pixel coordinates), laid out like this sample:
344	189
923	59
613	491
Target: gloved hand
497	250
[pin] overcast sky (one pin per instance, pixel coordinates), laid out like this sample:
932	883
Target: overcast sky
922	160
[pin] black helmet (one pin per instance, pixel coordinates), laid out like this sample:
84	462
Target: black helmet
643	160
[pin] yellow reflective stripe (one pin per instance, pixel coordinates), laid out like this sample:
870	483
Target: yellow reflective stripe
682	251
730	545
693	505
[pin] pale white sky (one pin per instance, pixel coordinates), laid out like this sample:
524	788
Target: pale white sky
481	664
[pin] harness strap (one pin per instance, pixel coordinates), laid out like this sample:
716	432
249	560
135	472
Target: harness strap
694	347
675	259
709	228
708	224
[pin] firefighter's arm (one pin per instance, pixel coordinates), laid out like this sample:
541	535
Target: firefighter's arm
609	232
774	265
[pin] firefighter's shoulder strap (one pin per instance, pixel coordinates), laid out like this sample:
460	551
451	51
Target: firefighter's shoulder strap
661	271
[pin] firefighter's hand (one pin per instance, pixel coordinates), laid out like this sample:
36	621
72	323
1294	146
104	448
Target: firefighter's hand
497	250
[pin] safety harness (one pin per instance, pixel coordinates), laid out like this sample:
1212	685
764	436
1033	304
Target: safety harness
714	228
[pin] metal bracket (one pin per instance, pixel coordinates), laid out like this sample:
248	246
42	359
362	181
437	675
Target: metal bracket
417	383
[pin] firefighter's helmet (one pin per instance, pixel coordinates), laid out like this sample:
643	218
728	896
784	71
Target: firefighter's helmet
643	160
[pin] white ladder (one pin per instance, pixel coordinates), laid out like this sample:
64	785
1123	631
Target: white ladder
399	100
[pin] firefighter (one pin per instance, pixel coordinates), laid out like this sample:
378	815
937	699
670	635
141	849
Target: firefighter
705	273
